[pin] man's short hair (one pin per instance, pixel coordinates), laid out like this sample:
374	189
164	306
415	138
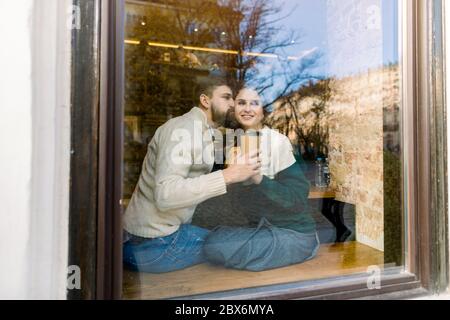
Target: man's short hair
208	85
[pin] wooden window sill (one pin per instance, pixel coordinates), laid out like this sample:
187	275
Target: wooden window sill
332	260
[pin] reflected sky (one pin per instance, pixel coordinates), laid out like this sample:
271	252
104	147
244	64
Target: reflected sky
316	23
338	38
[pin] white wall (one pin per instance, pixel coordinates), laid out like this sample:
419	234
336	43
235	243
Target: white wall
447	48
15	145
34	148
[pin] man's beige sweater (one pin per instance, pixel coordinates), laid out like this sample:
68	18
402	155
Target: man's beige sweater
176	177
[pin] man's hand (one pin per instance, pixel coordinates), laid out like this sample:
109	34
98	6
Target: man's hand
245	168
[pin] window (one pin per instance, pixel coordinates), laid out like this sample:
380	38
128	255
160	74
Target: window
363	94
325	77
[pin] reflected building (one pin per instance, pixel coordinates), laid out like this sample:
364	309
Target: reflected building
358	121
356	118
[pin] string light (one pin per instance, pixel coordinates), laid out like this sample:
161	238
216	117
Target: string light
214	50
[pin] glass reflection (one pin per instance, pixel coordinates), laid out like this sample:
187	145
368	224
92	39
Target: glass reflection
326	75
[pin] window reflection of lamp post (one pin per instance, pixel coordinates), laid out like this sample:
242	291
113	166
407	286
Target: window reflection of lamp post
167	57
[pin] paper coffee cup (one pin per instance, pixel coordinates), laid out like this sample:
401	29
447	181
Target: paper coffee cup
246	144
232	156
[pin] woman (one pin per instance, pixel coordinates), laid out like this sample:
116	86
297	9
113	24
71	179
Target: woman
282	231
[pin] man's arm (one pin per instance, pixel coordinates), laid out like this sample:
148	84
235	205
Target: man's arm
174	189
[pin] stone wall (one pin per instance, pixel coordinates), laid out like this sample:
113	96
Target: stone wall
361	118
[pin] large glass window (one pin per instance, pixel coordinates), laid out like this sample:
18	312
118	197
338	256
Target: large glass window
312	89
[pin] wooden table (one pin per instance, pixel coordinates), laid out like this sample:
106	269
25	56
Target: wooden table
321	193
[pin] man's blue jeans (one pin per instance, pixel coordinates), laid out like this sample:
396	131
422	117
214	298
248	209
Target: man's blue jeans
178	251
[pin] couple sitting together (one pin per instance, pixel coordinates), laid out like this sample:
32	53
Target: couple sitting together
267	186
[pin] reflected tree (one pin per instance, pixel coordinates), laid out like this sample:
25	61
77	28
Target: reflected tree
172	45
250	35
302	116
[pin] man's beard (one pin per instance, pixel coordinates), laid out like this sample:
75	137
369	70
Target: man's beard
227	120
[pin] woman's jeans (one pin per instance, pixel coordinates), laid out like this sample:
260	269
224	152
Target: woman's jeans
258	249
178	251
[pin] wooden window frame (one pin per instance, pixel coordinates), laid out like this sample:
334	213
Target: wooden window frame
96	164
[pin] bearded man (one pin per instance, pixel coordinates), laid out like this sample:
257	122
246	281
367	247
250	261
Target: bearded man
176	176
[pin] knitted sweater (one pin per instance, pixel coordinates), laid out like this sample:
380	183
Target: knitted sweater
176	177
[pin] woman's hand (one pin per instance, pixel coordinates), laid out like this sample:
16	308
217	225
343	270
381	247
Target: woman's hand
244	169
256	179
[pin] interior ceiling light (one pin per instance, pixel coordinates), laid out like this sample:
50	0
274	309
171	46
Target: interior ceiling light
213	50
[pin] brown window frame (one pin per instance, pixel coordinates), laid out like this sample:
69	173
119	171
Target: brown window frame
95	206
